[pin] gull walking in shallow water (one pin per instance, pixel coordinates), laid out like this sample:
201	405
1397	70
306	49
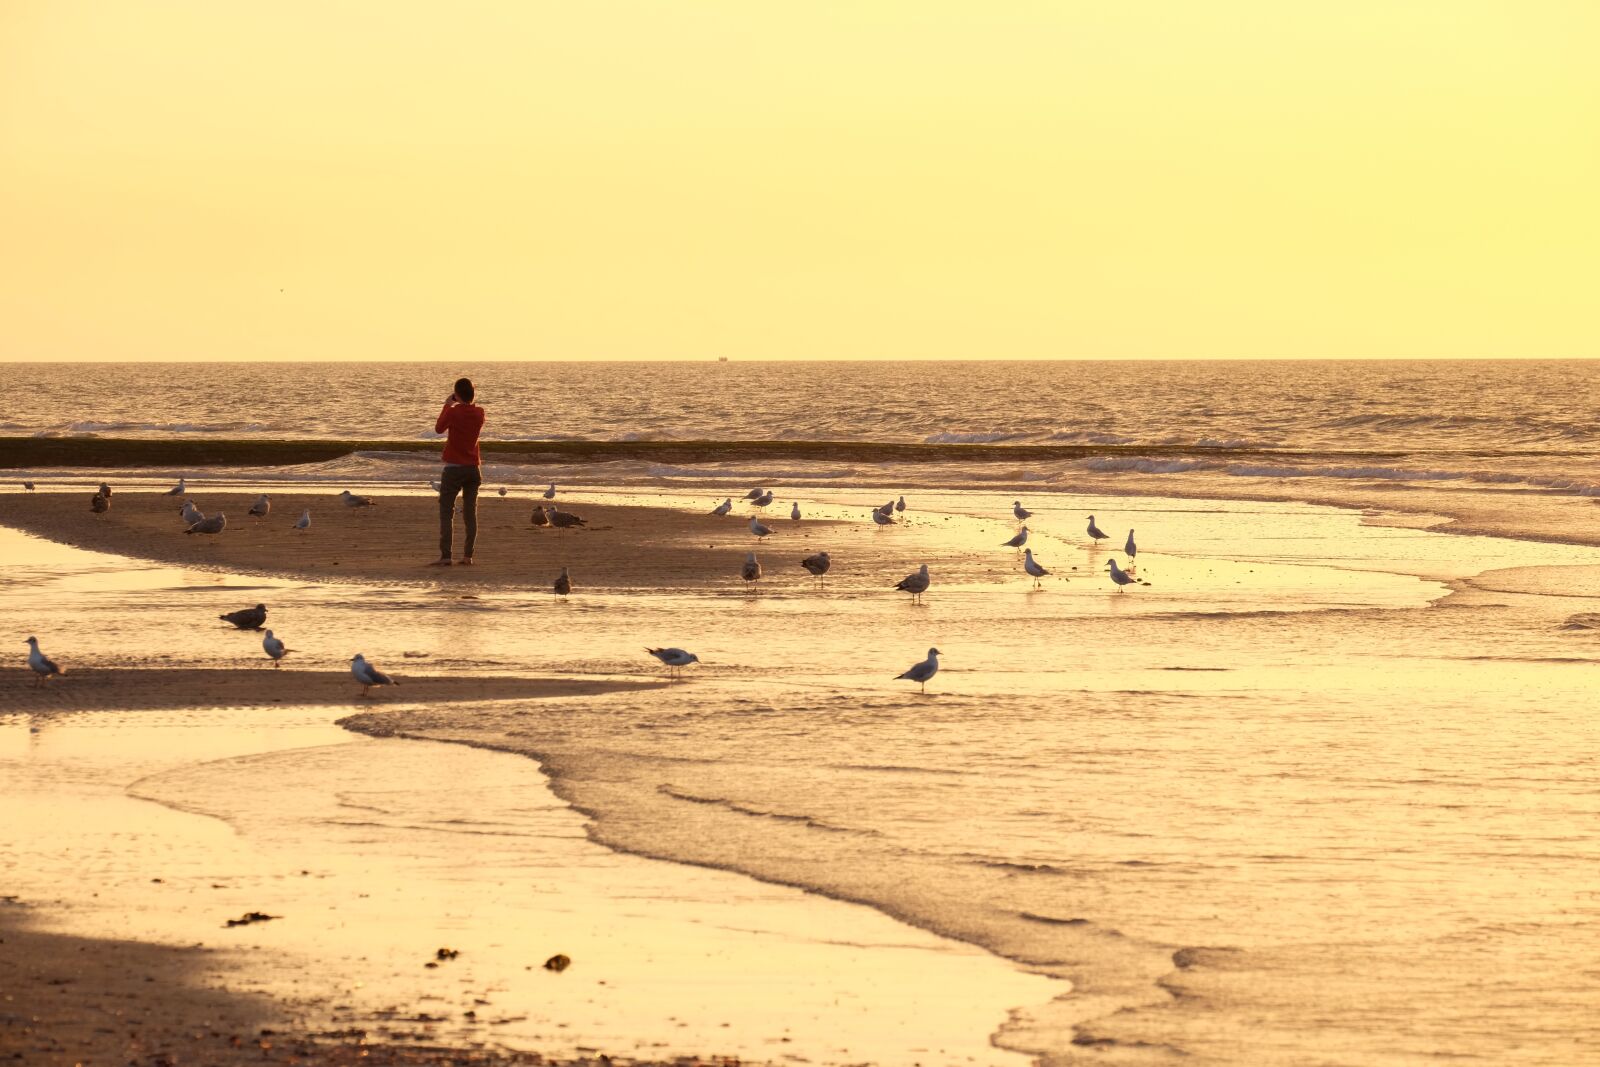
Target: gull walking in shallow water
247	618
759	528
1022	513
43	667
274	649
304	521
751	571
921	672
563	586
915	583
900	505
1120	576
675	659
794	511
261	507
1095	531
1132	550
177	490
368	675
1032	566
351	500
817	565
724	507
881	519
1019	540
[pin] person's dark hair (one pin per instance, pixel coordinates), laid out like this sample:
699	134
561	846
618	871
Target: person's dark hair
464	390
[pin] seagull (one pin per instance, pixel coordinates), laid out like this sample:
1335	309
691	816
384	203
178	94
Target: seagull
539	518
550	493
1130	548
759	528
28	486
817	565
888	509
105	490
433	483
915	583
724	507
260	508
42	665
1095	531
1032	566
751	571
214	525
563	586
763	500
274	648
881	519
368	675
921	672
1022	513
353	501
900	505
190	513
100	504
1120	576
794	511
1019	540
754	494
675	659
177	490
563	519
304	521
502	490
247	618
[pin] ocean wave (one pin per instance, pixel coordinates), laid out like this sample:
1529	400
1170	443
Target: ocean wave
1522	426
989	437
92	427
1162	465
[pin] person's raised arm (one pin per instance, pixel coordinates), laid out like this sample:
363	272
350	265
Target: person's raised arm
442	423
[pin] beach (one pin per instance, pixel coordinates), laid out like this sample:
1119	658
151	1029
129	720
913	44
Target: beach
1102	870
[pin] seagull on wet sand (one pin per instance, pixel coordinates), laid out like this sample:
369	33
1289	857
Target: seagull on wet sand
754	494
724	507
1022	513
100	504
794	511
304	521
550	493
915	583
43	667
539	518
675	659
274	648
1120	576
563	520
261	507
1019	540
28	486
817	565
900	505
881	519
763	500
751	571
922	672
759	528
214	525
351	500
190	514
105	490
563	585
247	618
1132	550
178	490
1095	531
1032	566
368	675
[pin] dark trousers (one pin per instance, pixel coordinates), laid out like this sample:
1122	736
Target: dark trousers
466	481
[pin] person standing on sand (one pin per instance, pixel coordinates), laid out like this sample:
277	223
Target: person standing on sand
462	421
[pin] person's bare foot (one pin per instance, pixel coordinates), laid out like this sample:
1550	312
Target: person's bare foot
466	561
440	563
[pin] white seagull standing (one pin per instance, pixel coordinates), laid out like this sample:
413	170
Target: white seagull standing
1095	531
304	521
190	513
763	500
274	648
922	672
177	490
724	507
794	511
759	528
41	665
751	571
675	659
915	583
1022	513
1132	550
550	493
1120	576
1019	540
261	507
368	675
1032	566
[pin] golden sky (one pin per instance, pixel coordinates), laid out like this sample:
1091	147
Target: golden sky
222	179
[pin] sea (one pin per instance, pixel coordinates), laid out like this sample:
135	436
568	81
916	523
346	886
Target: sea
1326	790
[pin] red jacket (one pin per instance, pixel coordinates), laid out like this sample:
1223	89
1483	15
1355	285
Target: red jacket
462	422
